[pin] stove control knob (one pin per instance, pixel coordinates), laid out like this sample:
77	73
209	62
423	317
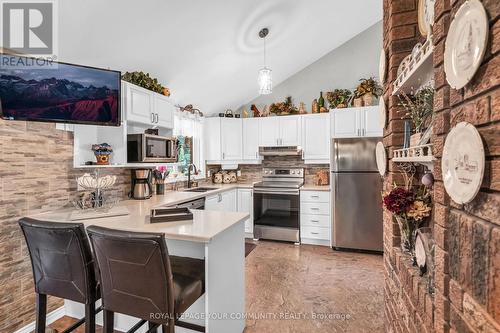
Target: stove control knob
293	172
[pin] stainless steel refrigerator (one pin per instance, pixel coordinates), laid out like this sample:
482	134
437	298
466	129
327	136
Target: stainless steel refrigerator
356	195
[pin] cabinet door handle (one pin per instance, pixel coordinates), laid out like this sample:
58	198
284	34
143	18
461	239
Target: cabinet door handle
314	233
314	208
315	196
152	118
314	221
223	155
157	118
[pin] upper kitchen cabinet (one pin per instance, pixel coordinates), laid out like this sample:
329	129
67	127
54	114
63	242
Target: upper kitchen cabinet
251	128
280	131
223	139
146	107
356	122
290	131
164	110
316	138
231	138
269	131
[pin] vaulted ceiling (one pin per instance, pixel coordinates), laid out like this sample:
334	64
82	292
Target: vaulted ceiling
208	51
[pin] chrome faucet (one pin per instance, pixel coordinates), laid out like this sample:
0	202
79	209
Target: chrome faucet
190	167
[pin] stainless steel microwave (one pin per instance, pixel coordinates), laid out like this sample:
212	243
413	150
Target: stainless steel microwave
144	148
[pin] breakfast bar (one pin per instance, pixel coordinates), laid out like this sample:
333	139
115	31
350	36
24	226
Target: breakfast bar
216	236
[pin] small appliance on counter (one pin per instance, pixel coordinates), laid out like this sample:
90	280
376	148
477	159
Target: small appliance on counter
148	148
142	187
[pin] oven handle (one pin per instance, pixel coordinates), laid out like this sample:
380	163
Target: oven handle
285	192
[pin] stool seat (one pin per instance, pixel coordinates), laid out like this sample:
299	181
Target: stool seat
189	281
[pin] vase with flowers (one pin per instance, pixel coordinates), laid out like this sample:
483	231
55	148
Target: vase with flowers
367	92
410	207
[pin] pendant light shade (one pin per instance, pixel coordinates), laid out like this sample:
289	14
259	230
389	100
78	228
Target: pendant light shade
265	81
265	74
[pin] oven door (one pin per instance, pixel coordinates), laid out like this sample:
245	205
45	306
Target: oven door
158	149
278	207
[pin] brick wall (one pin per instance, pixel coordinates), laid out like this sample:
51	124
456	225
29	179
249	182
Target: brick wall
467	253
36	175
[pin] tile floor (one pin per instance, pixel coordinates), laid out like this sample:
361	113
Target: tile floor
292	282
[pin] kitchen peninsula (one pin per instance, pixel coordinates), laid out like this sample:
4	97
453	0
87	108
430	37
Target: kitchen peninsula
208	236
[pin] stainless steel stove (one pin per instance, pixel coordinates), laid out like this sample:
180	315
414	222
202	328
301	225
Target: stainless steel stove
277	204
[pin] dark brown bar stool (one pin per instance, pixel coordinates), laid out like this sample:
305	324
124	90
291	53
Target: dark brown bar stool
138	278
63	267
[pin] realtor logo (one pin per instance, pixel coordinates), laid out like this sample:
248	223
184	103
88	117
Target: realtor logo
29	27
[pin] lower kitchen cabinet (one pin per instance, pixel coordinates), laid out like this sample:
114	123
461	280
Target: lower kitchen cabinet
315	217
245	205
224	201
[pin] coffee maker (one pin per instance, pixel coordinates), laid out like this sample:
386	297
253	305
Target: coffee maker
141	184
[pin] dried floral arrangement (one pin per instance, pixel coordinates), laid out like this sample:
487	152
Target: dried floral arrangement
145	81
284	108
339	98
418	107
410	206
368	86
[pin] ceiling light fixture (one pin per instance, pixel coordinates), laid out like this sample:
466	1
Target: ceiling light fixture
265	78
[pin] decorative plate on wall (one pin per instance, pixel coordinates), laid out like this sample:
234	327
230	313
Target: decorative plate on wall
425	16
466	43
403	64
381	158
381	66
463	163
383	111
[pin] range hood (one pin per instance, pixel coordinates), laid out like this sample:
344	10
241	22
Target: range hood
280	151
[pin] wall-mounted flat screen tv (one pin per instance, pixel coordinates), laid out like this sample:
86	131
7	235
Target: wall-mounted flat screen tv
65	93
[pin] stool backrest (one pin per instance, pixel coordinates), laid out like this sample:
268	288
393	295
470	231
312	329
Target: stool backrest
61	259
134	272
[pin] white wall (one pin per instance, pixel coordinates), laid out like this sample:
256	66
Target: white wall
341	68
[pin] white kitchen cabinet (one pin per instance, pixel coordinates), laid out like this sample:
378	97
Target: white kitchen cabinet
316	138
229	201
290	131
146	107
231	139
371	122
212	138
138	103
225	201
213	202
356	122
269	131
251	128
315	217
280	131
245	205
223	139
164	111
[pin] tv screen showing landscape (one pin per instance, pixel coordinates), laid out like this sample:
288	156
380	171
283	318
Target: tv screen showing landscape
66	93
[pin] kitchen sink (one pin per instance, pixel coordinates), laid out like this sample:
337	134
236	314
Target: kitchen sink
200	189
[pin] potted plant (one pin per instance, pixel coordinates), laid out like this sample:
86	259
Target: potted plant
418	109
145	81
367	92
410	207
339	98
102	152
283	108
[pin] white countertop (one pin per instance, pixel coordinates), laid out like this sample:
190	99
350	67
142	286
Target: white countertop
310	187
205	225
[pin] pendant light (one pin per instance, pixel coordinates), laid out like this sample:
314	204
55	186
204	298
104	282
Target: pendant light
265	78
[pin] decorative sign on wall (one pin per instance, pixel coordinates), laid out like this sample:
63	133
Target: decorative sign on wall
466	43
463	163
381	158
